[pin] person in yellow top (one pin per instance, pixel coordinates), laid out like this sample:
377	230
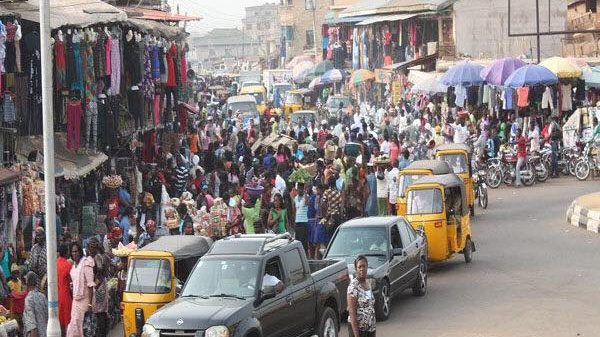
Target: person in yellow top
274	125
14	282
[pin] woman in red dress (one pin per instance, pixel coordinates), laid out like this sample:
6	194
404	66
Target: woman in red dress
65	298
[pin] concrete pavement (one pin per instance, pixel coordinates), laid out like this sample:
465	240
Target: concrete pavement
584	212
532	274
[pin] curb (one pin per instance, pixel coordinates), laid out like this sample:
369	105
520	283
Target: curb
581	214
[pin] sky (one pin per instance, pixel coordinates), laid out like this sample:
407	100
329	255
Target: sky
215	13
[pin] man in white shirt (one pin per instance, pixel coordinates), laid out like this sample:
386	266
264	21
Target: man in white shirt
461	133
402	121
392	178
385	145
534	138
279	181
382	190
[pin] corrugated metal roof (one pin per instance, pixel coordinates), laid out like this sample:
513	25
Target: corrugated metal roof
373	7
156	15
391	17
81	13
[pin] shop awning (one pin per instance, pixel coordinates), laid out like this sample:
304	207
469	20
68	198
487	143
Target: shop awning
67	163
373	7
156	15
352	19
157	28
8	176
392	17
79	13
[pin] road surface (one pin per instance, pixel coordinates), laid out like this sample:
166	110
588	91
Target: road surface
532	274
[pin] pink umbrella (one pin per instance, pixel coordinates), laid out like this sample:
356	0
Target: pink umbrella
299	59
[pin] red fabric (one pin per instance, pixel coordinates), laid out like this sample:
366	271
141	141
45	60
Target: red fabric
183	67
18	302
149	149
321	138
387	38
60	64
521	147
171	81
183	118
74	111
63	268
523	97
107	51
112	207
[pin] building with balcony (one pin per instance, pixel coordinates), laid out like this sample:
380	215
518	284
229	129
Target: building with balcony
582	15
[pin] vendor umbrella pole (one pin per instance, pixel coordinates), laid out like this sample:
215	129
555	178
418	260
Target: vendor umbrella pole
53	329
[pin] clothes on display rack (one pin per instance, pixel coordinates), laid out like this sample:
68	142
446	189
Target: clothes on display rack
566	99
74	112
523	97
547	101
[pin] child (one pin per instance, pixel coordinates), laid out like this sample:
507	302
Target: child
14	281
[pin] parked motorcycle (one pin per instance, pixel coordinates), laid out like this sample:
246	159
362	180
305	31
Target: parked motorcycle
480	187
541	171
502	169
588	162
567	158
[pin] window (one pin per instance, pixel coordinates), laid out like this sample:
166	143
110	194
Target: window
395	237
309	5
152	276
457	161
285	2
590	6
426	201
404	233
411	233
310	38
287	32
295	266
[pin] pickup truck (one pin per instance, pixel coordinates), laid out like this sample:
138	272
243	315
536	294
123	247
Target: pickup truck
255	286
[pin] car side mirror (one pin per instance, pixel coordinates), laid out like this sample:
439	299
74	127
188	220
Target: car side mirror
421	230
178	288
268	292
322	251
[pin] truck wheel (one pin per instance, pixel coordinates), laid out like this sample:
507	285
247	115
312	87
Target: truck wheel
329	324
420	287
382	303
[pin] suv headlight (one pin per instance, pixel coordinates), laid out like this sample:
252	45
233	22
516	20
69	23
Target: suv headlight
149	331
217	331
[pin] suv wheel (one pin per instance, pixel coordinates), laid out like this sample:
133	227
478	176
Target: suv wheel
420	287
382	304
329	324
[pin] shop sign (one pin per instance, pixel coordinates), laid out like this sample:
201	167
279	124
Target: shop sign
396	91
383	75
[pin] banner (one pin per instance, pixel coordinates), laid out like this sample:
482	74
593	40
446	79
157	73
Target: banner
396	92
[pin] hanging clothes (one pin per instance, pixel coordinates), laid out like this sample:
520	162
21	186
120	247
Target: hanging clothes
107	55
148	83
74	112
10	62
461	96
131	57
547	101
33	119
183	64
60	66
523	97
100	55
566	93
171	79
155	62
8	105
2	49
78	63
507	98
115	67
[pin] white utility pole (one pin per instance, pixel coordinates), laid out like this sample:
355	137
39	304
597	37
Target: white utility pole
53	329
314	8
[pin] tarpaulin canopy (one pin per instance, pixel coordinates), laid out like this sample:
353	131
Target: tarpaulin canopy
181	246
79	13
274	140
390	17
157	28
67	163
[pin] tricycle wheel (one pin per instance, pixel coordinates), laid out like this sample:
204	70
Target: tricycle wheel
329	323
382	303
468	251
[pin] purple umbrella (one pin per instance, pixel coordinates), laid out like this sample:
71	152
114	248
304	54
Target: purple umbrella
497	72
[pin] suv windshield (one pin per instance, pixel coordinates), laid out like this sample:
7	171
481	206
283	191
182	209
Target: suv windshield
257	96
352	241
232	277
149	276
426	201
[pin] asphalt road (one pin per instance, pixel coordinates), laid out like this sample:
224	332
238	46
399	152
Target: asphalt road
532	274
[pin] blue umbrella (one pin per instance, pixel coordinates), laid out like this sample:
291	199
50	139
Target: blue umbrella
464	74
529	75
591	76
333	75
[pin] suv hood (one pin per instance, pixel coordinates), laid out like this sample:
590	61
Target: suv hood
195	313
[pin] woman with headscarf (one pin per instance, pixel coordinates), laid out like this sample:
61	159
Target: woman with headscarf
82	278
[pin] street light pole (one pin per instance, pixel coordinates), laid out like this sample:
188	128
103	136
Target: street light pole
53	329
314	8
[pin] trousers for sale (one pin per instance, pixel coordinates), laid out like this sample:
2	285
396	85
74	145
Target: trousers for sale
135	102
91	125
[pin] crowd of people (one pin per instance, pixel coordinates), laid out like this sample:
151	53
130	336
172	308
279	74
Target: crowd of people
349	169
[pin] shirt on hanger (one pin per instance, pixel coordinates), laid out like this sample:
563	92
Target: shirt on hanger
523	97
547	102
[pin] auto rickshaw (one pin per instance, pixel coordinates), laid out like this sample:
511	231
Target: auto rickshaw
293	101
439	204
259	93
458	156
414	172
155	273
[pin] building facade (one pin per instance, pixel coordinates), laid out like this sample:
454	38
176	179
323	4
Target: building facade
299	20
224	43
262	24
582	15
481	28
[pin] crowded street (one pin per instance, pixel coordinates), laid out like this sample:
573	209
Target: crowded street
353	168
